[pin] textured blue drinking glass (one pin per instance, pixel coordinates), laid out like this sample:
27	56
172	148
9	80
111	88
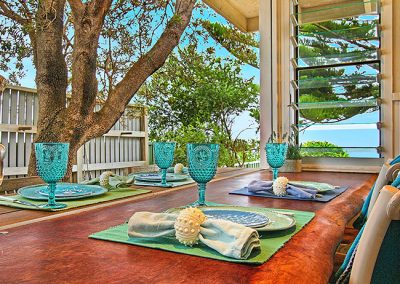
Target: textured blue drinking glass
276	156
51	165
203	162
164	157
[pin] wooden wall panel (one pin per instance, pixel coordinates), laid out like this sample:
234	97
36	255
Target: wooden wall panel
396	75
396	46
396	129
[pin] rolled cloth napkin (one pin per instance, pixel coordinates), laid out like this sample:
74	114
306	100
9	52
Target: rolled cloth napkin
292	189
228	238
171	170
114	181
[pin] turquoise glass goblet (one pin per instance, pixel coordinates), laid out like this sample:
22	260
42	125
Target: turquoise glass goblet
276	156
51	165
164	157
203	162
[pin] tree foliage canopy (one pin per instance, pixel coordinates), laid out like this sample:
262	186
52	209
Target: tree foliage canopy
75	44
329	41
241	45
323	149
197	95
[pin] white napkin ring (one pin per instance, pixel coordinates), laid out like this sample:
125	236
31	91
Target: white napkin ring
279	186
187	226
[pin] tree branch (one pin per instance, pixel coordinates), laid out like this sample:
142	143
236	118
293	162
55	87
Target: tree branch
143	68
51	68
88	20
76	6
7	12
355	42
26	23
101	7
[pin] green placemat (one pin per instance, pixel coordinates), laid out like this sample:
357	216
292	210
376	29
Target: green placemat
111	195
271	242
170	184
113	181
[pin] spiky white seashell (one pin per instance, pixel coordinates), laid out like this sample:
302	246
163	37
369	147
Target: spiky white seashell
105	177
279	186
178	169
187	226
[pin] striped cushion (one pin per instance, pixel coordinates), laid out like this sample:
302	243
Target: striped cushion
362	218
343	273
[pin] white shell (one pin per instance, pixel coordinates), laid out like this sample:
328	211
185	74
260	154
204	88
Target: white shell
105	177
178	169
279	186
187	226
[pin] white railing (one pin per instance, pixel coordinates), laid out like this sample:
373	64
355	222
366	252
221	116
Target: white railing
124	146
254	164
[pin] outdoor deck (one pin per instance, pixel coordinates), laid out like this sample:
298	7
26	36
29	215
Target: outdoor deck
55	246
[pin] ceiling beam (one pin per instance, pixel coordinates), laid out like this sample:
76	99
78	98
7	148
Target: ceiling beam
225	9
253	24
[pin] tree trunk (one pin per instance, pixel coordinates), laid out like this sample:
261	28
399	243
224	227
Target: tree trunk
77	123
63	128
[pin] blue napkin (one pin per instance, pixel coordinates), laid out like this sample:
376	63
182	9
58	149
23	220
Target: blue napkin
296	190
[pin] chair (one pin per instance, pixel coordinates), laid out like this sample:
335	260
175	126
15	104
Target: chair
396	160
377	259
385	176
396	182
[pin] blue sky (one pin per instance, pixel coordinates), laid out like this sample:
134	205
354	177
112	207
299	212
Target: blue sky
242	122
360	131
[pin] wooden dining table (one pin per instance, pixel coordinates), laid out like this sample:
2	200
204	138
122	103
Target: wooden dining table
55	248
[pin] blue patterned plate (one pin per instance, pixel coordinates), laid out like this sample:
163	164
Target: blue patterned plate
64	191
156	177
248	219
276	220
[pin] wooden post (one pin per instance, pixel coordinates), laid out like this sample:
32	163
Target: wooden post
79	164
266	111
144	149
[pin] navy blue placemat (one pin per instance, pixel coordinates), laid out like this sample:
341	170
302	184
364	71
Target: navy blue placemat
326	196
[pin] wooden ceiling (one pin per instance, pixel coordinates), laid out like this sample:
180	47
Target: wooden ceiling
241	13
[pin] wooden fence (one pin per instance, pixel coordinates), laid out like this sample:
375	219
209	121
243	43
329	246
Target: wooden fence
123	147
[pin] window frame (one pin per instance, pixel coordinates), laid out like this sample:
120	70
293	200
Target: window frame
295	74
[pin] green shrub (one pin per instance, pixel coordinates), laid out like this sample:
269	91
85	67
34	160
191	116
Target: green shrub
322	149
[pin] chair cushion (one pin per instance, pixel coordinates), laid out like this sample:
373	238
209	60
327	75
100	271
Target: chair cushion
396	182
395	160
343	274
387	266
362	218
369	202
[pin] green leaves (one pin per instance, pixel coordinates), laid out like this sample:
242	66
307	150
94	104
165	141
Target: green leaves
337	41
196	97
322	149
243	46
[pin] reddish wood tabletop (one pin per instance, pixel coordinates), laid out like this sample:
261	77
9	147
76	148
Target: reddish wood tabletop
58	250
10	216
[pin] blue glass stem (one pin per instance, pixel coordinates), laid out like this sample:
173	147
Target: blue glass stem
202	194
275	173
52	194
164	177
